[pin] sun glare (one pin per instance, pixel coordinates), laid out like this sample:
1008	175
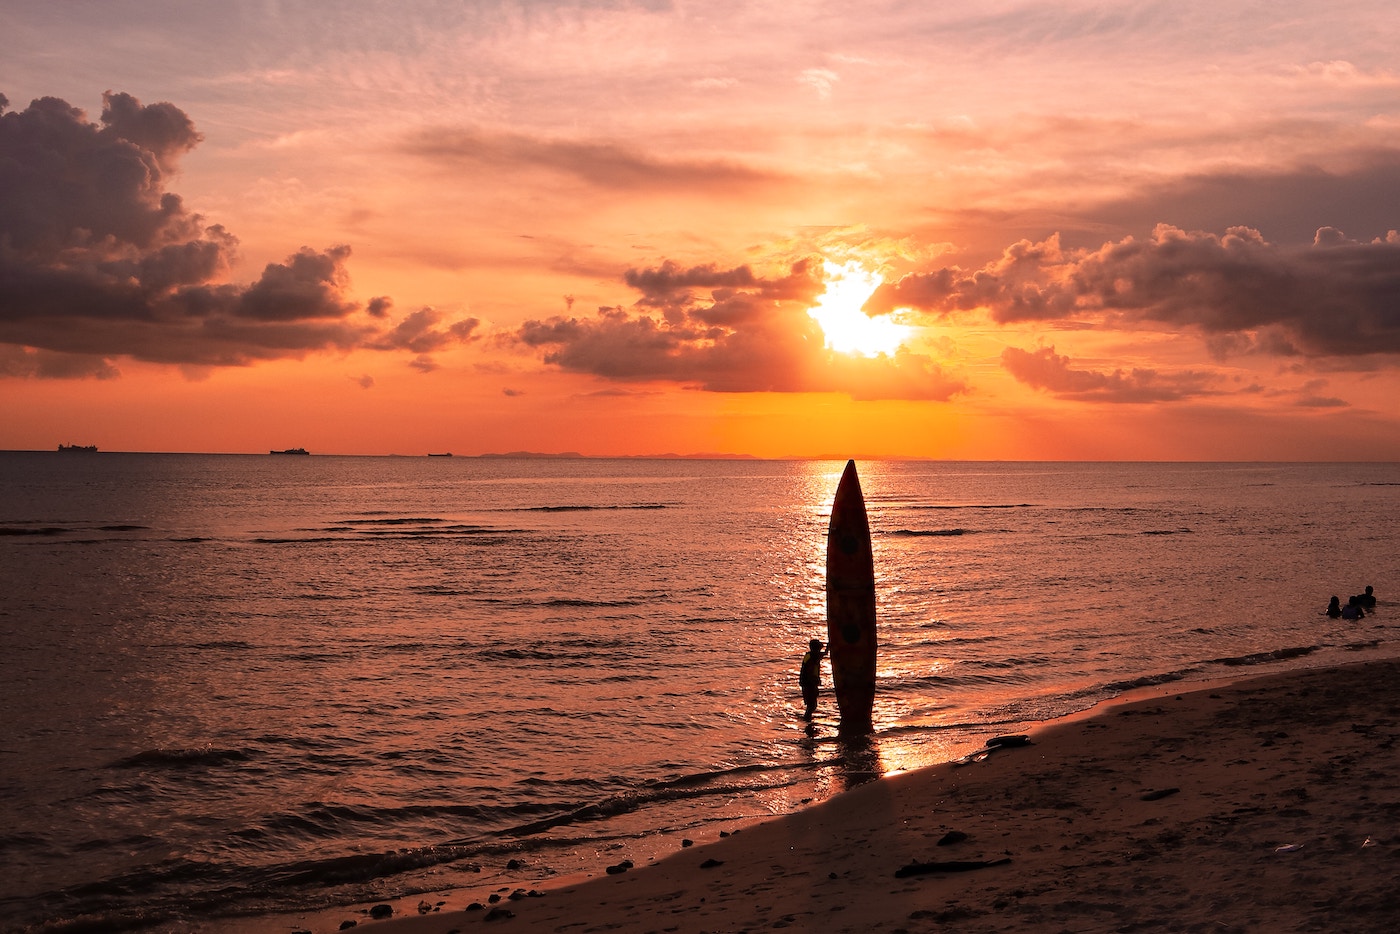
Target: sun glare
838	312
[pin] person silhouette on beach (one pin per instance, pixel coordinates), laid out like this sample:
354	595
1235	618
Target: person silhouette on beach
1367	600
809	676
1334	609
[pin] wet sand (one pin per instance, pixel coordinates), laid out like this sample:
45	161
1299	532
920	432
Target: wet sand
1269	804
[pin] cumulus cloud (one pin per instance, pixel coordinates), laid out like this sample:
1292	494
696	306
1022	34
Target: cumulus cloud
1047	370
420	333
98	259
1335	298
727	330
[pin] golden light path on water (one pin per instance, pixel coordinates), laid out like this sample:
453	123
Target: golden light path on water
840	765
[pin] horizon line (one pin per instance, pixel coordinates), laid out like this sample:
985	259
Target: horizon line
718	456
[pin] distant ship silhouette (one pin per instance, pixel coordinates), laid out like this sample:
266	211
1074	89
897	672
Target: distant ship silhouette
291	451
77	449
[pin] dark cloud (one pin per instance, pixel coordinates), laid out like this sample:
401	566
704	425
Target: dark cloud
746	334
1286	204
420	333
98	259
669	286
605	165
1322	402
44	364
1336	297
1047	370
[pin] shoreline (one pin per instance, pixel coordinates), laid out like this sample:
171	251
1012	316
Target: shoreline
1271	800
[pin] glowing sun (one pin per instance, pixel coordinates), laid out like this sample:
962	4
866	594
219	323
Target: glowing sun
846	327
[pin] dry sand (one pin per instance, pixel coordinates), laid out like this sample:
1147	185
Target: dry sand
1271	804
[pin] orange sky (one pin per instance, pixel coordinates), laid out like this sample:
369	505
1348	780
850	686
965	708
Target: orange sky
1109	230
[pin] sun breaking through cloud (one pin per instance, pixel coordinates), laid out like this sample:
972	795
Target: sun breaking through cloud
840	312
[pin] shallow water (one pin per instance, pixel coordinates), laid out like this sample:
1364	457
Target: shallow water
240	683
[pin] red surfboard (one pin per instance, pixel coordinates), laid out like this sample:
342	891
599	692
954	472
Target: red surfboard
850	605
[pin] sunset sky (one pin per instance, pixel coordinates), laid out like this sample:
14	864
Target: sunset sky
1055	229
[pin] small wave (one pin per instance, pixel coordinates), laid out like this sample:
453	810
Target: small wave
405	647
394	521
1124	510
534	655
309	657
975	506
123	528
182	887
628	679
944	683
180	758
1263	658
33	530
366	867
590	508
921	533
327	822
1147	681
581	602
1011	661
914	647
409	530
700	785
321	821
1166	531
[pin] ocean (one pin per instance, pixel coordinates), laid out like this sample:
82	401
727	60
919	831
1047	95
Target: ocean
248	684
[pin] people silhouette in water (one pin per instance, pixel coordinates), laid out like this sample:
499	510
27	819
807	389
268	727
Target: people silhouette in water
809	676
1366	600
1353	609
1334	608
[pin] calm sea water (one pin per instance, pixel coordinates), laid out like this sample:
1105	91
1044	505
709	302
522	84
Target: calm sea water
249	684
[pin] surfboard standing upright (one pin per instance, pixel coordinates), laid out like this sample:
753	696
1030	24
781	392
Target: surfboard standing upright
850	605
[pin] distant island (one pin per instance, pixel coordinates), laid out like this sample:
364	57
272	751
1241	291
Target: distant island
571	455
291	451
536	454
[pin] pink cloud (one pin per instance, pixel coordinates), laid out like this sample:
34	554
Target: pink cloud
1047	370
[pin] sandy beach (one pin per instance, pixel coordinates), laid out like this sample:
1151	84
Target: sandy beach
1271	803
